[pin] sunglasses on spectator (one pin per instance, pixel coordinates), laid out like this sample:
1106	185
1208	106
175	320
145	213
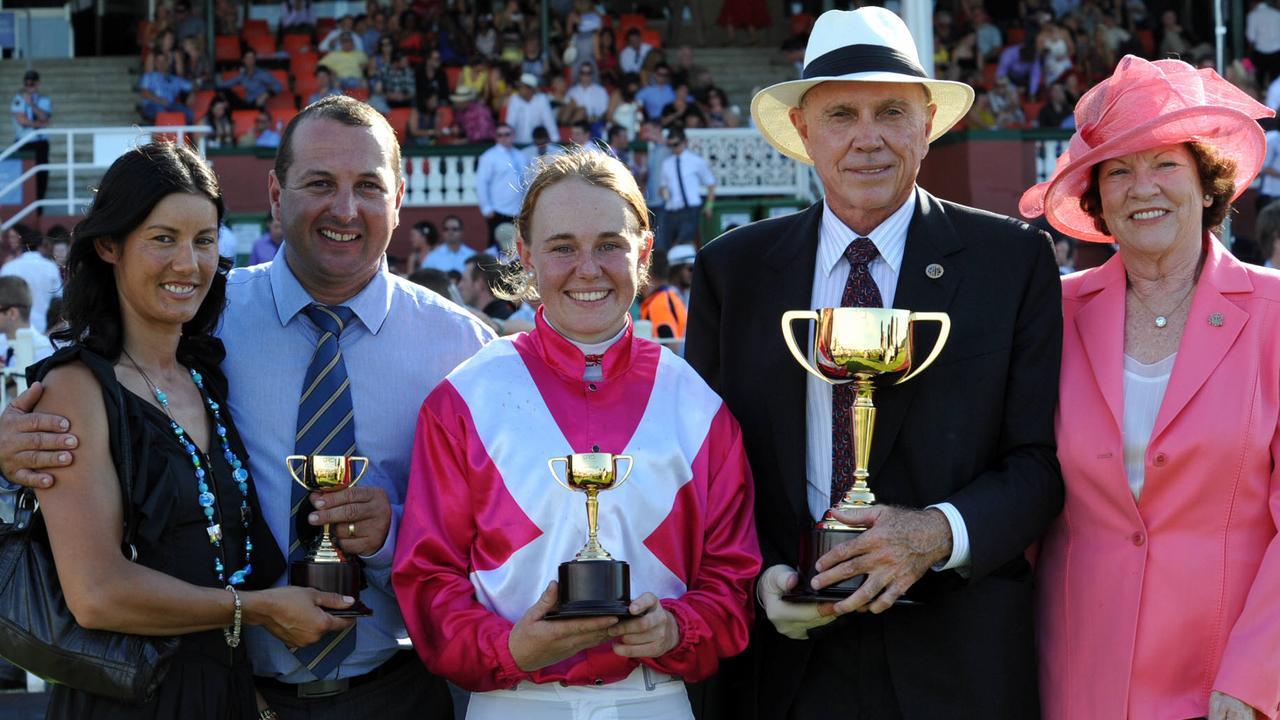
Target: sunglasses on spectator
452	228
674	144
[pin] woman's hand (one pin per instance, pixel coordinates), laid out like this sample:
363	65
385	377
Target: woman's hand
1224	707
295	614
653	633
536	643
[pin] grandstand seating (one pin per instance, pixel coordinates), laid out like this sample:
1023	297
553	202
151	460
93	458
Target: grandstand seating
226	48
200	101
399	119
242	120
296	44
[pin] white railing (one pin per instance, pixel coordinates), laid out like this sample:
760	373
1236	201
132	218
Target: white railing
743	162
1047	152
107	144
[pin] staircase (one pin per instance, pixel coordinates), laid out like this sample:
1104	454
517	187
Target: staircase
740	71
86	92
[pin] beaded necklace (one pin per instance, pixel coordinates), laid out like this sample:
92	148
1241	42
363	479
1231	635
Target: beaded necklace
206	497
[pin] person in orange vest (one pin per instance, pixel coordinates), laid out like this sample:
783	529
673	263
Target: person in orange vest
665	306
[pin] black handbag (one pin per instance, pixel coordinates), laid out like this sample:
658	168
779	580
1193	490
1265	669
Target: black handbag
38	632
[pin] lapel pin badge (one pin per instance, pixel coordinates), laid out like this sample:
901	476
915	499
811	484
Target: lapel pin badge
933	270
1215	319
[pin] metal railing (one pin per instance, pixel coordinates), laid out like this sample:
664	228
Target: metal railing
106	144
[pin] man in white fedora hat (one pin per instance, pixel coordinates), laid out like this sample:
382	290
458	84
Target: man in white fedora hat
962	459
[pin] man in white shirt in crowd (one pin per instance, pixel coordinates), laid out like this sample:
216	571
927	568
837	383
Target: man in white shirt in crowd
590	96
684	175
499	175
1262	30
527	109
631	59
580	137
32	111
346	24
451	254
15	315
40	273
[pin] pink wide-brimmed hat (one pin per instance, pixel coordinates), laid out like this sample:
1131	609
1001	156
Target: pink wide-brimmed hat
1145	105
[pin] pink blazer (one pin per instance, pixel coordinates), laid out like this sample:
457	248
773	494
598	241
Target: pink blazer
1145	607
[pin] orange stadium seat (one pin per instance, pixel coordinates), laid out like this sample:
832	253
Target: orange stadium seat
324	25
989	75
242	120
282	101
226	48
168	118
361	94
1031	112
305	86
281	116
200	102
281	76
297	44
399	119
263	45
452	73
144	26
303	64
631	20
651	36
256	26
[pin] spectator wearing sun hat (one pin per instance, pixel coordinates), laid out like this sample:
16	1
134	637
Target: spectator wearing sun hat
529	108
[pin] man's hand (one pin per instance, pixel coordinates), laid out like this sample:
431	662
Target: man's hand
652	633
1224	707
897	549
365	510
31	441
536	643
793	619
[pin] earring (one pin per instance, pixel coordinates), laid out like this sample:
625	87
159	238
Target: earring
1208	198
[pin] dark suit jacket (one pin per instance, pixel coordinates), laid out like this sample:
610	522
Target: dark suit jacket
974	429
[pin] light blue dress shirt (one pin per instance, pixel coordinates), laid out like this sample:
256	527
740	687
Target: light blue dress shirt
406	340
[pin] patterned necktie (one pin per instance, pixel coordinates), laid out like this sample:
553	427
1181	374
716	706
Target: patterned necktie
325	427
859	291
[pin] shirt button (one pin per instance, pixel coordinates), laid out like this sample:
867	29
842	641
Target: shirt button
564	683
598	681
1160	459
591	387
1138	539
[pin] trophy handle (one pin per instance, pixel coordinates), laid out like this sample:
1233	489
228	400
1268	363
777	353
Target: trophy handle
289	461
631	464
943	334
364	465
551	465
788	319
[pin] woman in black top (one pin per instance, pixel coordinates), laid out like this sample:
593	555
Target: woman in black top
144	293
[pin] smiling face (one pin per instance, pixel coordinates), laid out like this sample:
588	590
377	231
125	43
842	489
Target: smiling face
585	248
164	267
867	140
1152	201
338	205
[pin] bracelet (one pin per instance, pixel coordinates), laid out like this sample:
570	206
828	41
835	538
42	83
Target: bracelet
232	636
268	714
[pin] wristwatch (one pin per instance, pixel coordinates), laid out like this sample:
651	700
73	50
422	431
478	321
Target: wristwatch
268	714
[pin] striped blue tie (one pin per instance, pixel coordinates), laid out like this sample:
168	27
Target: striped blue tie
326	426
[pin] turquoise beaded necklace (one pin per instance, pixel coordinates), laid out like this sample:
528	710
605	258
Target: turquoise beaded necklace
206	497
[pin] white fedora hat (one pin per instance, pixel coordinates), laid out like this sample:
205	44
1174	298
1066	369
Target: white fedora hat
869	44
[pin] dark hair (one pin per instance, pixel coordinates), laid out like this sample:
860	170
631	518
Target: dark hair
429	232
488	266
342	109
16	293
131	188
432	279
676	134
1217	179
1266	228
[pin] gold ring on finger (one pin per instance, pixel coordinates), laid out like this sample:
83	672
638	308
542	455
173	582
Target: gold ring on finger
351	529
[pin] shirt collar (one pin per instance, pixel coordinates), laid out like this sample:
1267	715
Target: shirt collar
889	237
371	305
567	358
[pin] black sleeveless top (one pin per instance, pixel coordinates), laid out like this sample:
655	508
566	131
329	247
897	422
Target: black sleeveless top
207	679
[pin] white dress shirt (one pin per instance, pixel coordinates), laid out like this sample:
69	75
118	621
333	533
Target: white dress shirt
695	173
593	98
499	180
830	274
1144	387
442	258
525	115
630	60
43	278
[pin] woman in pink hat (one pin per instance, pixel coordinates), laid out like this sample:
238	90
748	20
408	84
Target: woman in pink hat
1159	585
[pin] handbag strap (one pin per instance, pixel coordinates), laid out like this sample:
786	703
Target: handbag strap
121	441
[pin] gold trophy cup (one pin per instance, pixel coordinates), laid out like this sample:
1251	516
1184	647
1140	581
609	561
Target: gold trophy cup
326	567
862	346
592	584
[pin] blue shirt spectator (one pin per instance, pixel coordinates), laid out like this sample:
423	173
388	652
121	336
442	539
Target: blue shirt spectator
161	92
658	93
259	85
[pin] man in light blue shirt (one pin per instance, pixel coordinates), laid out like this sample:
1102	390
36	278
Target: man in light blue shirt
498	180
658	93
161	90
259	85
336	189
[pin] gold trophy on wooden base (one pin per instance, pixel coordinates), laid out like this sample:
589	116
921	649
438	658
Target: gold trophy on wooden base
863	346
326	567
593	584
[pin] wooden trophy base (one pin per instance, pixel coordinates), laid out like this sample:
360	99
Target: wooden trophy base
344	578
593	588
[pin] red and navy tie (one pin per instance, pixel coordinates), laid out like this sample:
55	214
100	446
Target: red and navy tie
859	291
